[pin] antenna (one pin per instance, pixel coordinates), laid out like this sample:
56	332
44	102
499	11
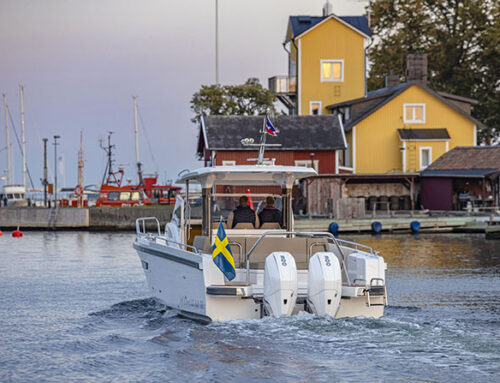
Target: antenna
23	135
216	42
137	158
262	145
81	163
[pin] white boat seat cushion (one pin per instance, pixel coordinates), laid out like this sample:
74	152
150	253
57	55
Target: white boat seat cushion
271	226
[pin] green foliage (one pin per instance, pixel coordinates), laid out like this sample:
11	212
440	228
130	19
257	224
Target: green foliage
247	99
461	39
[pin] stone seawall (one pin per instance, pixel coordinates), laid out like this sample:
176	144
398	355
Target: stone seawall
94	218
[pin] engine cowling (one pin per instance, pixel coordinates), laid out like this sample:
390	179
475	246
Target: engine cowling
324	287
280	283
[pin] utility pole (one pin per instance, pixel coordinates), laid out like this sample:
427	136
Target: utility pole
137	157
9	157
23	135
45	182
216	42
55	168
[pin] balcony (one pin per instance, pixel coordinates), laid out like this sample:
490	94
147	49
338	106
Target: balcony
285	89
283	85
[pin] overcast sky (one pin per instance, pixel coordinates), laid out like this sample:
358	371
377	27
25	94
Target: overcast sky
81	61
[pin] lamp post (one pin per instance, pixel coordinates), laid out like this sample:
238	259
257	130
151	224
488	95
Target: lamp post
55	168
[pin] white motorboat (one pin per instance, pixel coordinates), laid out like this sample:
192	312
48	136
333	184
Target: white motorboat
279	271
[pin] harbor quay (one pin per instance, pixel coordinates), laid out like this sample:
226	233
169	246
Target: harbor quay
124	219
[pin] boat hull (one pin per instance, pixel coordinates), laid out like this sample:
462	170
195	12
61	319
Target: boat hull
179	280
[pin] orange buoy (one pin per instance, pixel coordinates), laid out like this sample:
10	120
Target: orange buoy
1	233
17	233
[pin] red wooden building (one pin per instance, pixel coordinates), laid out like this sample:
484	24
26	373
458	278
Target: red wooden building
312	141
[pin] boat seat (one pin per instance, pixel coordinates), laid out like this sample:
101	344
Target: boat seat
215	225
297	247
244	225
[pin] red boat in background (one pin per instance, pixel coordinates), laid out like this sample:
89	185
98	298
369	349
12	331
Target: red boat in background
114	193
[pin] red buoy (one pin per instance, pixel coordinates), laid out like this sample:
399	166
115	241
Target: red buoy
1	233
17	233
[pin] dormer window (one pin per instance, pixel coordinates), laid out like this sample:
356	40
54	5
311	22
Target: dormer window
332	70
414	113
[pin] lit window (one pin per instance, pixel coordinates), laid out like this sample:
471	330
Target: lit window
124	196
135	196
414	113
425	157
315	108
332	70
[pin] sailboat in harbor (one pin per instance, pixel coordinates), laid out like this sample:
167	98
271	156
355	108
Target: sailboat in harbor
13	195
114	192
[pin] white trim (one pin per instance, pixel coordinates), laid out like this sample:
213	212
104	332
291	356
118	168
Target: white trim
447	147
345	168
353	149
413	121
307	164
421	149
332	61
299	80
202	120
336	18
342	130
319	108
337	162
475	136
228	163
404	156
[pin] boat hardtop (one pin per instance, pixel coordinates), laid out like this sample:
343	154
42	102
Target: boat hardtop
277	270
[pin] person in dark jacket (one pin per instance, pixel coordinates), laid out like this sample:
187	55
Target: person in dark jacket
243	214
270	213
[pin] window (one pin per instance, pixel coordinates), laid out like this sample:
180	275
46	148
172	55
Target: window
414	113
315	108
307	163
124	196
332	70
135	196
228	163
272	161
425	157
113	196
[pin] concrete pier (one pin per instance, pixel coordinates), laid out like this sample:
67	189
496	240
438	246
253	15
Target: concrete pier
94	218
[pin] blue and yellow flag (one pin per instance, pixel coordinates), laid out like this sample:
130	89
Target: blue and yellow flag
221	254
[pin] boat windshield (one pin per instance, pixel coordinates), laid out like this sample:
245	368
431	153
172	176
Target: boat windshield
223	205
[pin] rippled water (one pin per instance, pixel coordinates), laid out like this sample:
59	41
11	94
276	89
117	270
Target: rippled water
74	308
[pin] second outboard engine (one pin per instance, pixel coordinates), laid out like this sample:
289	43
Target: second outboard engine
280	283
324	284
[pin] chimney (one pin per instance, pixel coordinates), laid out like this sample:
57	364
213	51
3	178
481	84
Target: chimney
391	80
416	68
327	9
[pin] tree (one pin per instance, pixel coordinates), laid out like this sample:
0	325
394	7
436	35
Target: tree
247	99
461	39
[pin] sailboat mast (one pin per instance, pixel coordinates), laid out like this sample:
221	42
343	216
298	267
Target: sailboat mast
137	159
23	135
9	158
80	160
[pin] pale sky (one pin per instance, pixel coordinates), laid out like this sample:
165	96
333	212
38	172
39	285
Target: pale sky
82	61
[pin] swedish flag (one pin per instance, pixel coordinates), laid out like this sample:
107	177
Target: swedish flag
221	254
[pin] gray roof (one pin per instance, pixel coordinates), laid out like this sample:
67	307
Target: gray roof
380	97
295	132
300	24
423	134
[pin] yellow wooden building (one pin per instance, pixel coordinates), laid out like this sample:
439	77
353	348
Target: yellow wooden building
403	128
326	62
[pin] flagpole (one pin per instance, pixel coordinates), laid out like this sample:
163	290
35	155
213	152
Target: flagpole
260	159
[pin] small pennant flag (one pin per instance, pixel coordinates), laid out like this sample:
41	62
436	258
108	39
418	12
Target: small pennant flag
270	128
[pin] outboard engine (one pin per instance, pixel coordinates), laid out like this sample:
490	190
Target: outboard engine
324	285
280	283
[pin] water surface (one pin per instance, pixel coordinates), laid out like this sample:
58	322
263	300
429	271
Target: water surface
74	308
